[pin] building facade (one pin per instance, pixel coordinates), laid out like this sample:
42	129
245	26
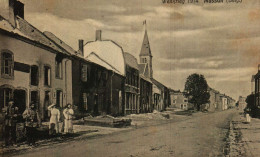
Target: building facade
33	68
178	100
110	56
146	91
132	84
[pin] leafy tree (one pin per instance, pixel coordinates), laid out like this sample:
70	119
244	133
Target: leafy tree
196	88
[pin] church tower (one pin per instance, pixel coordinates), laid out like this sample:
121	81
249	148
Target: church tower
146	54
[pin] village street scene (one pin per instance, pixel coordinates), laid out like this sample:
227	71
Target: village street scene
117	79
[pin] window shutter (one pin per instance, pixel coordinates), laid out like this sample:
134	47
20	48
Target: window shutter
84	73
2	64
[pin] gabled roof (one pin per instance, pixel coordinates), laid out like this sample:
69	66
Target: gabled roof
131	61
96	59
145	78
157	83
108	51
143	69
35	34
59	43
146	50
26	30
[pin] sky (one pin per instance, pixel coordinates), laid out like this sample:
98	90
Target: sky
220	41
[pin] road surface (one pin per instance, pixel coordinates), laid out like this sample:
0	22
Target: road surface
196	137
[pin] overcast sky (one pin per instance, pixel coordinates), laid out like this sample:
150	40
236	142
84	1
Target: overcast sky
220	41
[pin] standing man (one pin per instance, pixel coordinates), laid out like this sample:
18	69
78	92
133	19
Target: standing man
31	117
10	123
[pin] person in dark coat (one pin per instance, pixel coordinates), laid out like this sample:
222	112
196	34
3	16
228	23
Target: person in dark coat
31	117
11	115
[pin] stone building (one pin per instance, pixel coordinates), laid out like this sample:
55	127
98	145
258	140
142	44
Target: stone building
33	68
91	82
178	100
105	87
132	84
146	91
241	103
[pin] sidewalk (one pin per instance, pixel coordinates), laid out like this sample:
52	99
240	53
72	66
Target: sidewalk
246	137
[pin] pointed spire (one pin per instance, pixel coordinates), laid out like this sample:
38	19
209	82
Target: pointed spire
145	50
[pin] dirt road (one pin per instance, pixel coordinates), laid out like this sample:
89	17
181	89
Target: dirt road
196	137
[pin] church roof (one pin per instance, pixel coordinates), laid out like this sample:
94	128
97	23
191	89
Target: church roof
145	50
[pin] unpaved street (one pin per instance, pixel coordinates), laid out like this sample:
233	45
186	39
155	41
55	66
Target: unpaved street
199	136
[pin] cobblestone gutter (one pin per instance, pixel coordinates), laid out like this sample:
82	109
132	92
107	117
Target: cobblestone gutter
235	146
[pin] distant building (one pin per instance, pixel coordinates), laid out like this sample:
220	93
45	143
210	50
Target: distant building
242	103
213	101
178	100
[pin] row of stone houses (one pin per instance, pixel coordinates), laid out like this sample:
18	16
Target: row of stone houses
98	78
219	101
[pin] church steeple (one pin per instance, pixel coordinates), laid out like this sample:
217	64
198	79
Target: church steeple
146	54
145	50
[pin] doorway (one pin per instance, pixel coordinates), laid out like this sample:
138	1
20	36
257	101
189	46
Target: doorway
20	99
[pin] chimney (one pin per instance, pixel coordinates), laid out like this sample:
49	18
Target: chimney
81	49
98	35
19	9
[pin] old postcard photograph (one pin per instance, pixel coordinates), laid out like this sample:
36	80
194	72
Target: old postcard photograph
129	78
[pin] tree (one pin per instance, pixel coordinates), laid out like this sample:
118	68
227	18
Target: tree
196	88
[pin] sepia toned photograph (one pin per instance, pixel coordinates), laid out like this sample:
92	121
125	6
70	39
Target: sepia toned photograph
136	78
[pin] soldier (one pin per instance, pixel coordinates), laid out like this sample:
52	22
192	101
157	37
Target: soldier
31	117
10	123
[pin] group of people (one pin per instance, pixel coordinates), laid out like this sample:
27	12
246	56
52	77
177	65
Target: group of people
32	121
55	119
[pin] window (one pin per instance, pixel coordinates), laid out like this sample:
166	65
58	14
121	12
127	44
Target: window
5	96
34	97
34	75
7	64
185	100
59	98
47	76
85	101
84	73
58	67
174	101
